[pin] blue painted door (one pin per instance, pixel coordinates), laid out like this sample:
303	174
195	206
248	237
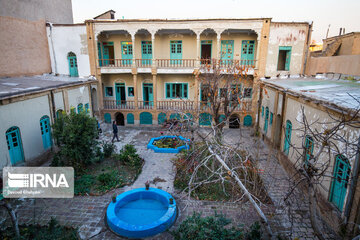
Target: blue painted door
120	93
227	51
247	52
145	118
266	123
287	139
107	118
148	94
46	131
161	118
247	120
340	181
73	69
176	52
309	147
146	52
126	53
80	108
130	118
14	144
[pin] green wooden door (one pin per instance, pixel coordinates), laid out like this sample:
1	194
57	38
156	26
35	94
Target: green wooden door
287	139
148	94
46	131
107	118
130	118
266	123
287	50
227	51
176	52
146	52
340	181
247	120
205	119
14	144
108	53
145	118
120	93
80	108
126	53
73	68
247	52
309	147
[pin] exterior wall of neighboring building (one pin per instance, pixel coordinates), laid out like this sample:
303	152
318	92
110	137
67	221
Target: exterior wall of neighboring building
26	117
55	11
24	47
350	43
293	161
64	39
79	95
344	64
294	35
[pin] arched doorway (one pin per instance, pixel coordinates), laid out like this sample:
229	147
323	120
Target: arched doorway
130	118
234	121
107	118
94	99
73	68
14	144
119	118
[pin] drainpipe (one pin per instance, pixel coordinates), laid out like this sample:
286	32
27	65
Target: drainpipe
353	183
52	46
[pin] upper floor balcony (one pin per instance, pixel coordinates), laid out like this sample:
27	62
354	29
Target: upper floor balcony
176	50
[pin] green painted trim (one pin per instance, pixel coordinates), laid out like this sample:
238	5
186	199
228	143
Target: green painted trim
106	95
182	91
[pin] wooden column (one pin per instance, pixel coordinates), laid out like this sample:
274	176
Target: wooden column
135	91
133	48
154	91
198	45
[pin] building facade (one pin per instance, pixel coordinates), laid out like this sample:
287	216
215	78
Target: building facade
324	103
146	69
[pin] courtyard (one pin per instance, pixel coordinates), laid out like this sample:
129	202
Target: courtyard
87	213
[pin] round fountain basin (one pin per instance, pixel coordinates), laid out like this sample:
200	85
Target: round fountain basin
168	150
141	213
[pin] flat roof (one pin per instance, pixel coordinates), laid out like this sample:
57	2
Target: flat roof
340	93
16	86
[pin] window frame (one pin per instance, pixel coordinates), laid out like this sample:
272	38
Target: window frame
182	91
112	91
128	90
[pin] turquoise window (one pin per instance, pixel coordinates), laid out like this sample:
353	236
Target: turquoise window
284	58
59	113
227	51
73	68
131	91
266	120
287	139
339	183
80	108
176	90
247	120
271	118
309	147
175	52
126	52
87	109
109	91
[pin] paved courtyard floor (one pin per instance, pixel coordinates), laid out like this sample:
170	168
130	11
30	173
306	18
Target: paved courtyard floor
87	212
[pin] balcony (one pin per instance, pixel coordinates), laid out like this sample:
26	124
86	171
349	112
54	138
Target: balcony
168	105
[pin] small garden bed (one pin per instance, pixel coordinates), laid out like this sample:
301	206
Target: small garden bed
168	144
113	172
36	232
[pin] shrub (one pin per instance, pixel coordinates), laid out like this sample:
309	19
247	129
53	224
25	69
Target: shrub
109	180
211	228
75	134
128	156
83	184
108	149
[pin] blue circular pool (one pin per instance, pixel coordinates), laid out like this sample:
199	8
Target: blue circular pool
141	213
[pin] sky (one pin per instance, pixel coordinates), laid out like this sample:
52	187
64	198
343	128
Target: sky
336	13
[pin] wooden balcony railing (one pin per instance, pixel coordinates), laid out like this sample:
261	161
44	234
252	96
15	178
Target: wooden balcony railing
236	63
175	63
145	104
145	63
119	104
176	105
115	63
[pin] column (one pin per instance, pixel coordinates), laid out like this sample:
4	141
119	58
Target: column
135	91
133	48
196	90
258	49
154	91
218	45
153	50
198	45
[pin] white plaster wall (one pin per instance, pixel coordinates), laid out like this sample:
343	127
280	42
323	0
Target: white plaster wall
293	35
25	115
294	114
78	95
59	101
67	39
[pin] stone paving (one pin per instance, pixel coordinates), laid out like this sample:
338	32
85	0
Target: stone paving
87	212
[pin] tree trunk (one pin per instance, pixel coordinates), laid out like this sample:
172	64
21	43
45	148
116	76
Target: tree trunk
13	217
312	208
